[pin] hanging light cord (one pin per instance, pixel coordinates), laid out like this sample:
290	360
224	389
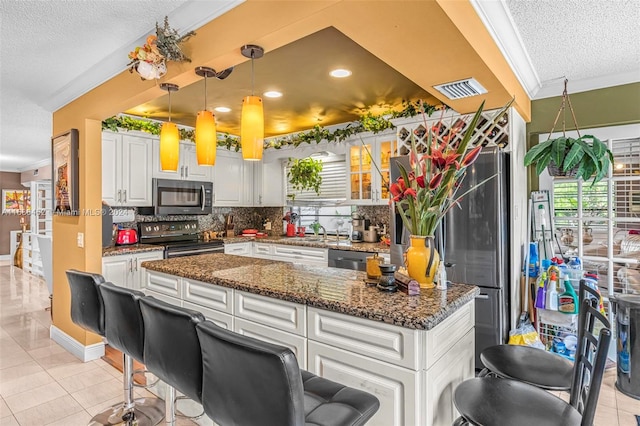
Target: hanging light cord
252	73
205	92
169	105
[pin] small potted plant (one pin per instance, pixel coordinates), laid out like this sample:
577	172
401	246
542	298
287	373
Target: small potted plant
584	157
304	174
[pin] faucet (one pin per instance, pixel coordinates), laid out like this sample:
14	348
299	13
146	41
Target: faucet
324	233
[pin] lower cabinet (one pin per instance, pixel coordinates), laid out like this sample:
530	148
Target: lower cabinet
412	372
297	344
397	388
125	270
239	249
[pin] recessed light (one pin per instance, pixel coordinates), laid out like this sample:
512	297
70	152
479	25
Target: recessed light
272	94
340	73
222	109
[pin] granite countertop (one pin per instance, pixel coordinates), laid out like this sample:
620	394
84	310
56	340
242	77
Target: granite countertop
129	249
333	289
310	242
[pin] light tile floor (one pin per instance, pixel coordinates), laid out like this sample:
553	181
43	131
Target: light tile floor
42	384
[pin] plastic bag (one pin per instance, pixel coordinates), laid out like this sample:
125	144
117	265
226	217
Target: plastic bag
525	334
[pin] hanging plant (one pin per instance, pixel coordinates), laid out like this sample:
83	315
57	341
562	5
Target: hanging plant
304	175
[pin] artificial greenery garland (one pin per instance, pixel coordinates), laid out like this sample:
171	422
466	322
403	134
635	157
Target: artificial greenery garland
367	123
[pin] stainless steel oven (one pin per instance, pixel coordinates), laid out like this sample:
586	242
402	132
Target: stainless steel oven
179	238
171	196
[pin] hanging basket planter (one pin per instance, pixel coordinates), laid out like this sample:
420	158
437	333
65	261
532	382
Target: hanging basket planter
556	171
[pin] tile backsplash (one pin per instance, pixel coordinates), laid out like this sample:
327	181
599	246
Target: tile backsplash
251	217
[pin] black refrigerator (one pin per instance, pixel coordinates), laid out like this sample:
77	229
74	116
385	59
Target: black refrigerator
476	242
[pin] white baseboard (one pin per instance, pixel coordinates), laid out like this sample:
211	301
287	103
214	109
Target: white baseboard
84	353
5	257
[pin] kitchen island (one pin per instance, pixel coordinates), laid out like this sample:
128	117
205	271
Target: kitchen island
409	351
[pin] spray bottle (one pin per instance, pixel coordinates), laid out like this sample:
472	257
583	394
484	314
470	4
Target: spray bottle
541	295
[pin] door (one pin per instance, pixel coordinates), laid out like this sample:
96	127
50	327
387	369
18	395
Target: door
117	269
228	179
111	147
189	160
136	171
489	326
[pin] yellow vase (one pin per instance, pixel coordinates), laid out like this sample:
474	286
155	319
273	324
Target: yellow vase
422	260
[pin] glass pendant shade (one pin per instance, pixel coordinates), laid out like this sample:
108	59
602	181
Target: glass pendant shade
252	128
169	146
206	138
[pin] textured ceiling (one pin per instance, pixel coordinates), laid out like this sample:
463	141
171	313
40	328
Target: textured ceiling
579	39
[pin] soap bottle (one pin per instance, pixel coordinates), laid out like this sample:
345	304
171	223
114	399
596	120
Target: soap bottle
541	294
551	303
568	301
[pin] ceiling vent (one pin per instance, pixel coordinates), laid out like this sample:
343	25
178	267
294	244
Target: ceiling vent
461	89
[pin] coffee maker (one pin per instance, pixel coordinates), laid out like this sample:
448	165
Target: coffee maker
358	227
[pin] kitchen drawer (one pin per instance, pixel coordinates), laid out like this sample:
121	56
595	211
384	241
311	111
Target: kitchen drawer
209	295
385	342
298	254
239	249
163	283
280	314
263	250
445	335
218	318
297	344
163	297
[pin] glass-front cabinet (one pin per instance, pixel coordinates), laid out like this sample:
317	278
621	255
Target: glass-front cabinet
368	166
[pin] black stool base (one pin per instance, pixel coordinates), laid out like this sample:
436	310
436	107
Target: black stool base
148	412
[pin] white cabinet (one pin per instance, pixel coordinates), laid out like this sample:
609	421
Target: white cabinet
297	344
188	168
126	169
368	164
397	388
239	249
125	270
232	180
299	254
268	184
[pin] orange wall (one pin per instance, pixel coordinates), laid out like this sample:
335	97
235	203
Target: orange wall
420	39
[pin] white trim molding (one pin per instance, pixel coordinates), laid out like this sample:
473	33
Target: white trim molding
84	353
496	17
555	87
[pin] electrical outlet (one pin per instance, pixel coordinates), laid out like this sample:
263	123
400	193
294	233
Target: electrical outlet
80	239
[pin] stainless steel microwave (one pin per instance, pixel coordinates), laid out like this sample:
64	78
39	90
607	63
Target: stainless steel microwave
182	197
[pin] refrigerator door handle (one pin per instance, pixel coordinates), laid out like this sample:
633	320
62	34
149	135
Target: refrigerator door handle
482	296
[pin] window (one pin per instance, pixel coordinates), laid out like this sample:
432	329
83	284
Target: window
604	218
334	181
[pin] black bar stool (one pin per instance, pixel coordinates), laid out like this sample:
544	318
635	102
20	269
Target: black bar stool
534	366
172	350
87	311
249	382
495	401
124	330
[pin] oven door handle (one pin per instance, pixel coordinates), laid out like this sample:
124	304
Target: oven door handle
202	195
177	253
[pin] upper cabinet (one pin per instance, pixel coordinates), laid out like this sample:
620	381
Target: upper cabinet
126	169
188	168
232	180
268	184
368	169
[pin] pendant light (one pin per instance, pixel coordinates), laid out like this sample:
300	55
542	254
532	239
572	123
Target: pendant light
169	137
252	120
206	138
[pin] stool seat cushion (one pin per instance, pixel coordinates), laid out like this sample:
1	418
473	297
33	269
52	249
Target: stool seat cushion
530	365
492	401
330	403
